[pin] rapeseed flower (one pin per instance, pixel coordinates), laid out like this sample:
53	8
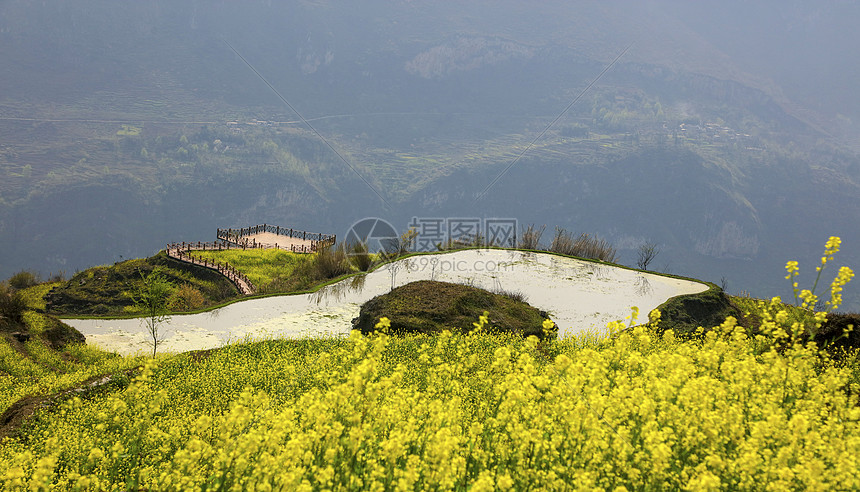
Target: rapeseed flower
643	409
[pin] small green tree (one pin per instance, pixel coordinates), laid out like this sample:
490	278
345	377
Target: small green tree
151	296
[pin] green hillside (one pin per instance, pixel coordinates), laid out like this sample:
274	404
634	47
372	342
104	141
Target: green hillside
163	133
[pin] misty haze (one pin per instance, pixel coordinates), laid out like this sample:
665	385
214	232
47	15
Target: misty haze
128	126
166	158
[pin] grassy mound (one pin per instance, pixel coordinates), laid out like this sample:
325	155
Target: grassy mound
23	318
103	290
274	271
685	314
431	307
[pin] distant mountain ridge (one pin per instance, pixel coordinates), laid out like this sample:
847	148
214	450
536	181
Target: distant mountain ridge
129	124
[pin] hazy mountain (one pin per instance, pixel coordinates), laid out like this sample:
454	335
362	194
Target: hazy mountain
725	132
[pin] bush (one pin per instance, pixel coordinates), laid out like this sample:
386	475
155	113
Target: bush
23	279
530	238
186	298
330	262
12	306
58	277
360	256
584	246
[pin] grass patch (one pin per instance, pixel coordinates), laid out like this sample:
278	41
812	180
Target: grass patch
583	246
274	271
262	266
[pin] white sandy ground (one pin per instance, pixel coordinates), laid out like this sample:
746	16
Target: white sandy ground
578	295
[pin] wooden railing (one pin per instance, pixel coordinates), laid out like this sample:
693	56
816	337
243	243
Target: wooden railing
238	237
181	251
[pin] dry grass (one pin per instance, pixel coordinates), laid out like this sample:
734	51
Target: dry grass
530	238
583	246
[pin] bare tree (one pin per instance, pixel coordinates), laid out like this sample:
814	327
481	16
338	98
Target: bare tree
150	296
392	268
647	253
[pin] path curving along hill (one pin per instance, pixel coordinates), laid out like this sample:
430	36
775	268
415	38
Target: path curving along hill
241	282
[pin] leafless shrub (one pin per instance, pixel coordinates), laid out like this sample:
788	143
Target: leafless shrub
647	253
530	238
583	246
58	277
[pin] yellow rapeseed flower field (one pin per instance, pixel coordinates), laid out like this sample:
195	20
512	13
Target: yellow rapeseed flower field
638	410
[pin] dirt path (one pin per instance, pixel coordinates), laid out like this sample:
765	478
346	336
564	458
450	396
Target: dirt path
245	287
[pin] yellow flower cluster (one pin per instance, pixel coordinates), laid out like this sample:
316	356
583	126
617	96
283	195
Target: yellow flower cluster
843	277
483	320
641	410
383	325
807	296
